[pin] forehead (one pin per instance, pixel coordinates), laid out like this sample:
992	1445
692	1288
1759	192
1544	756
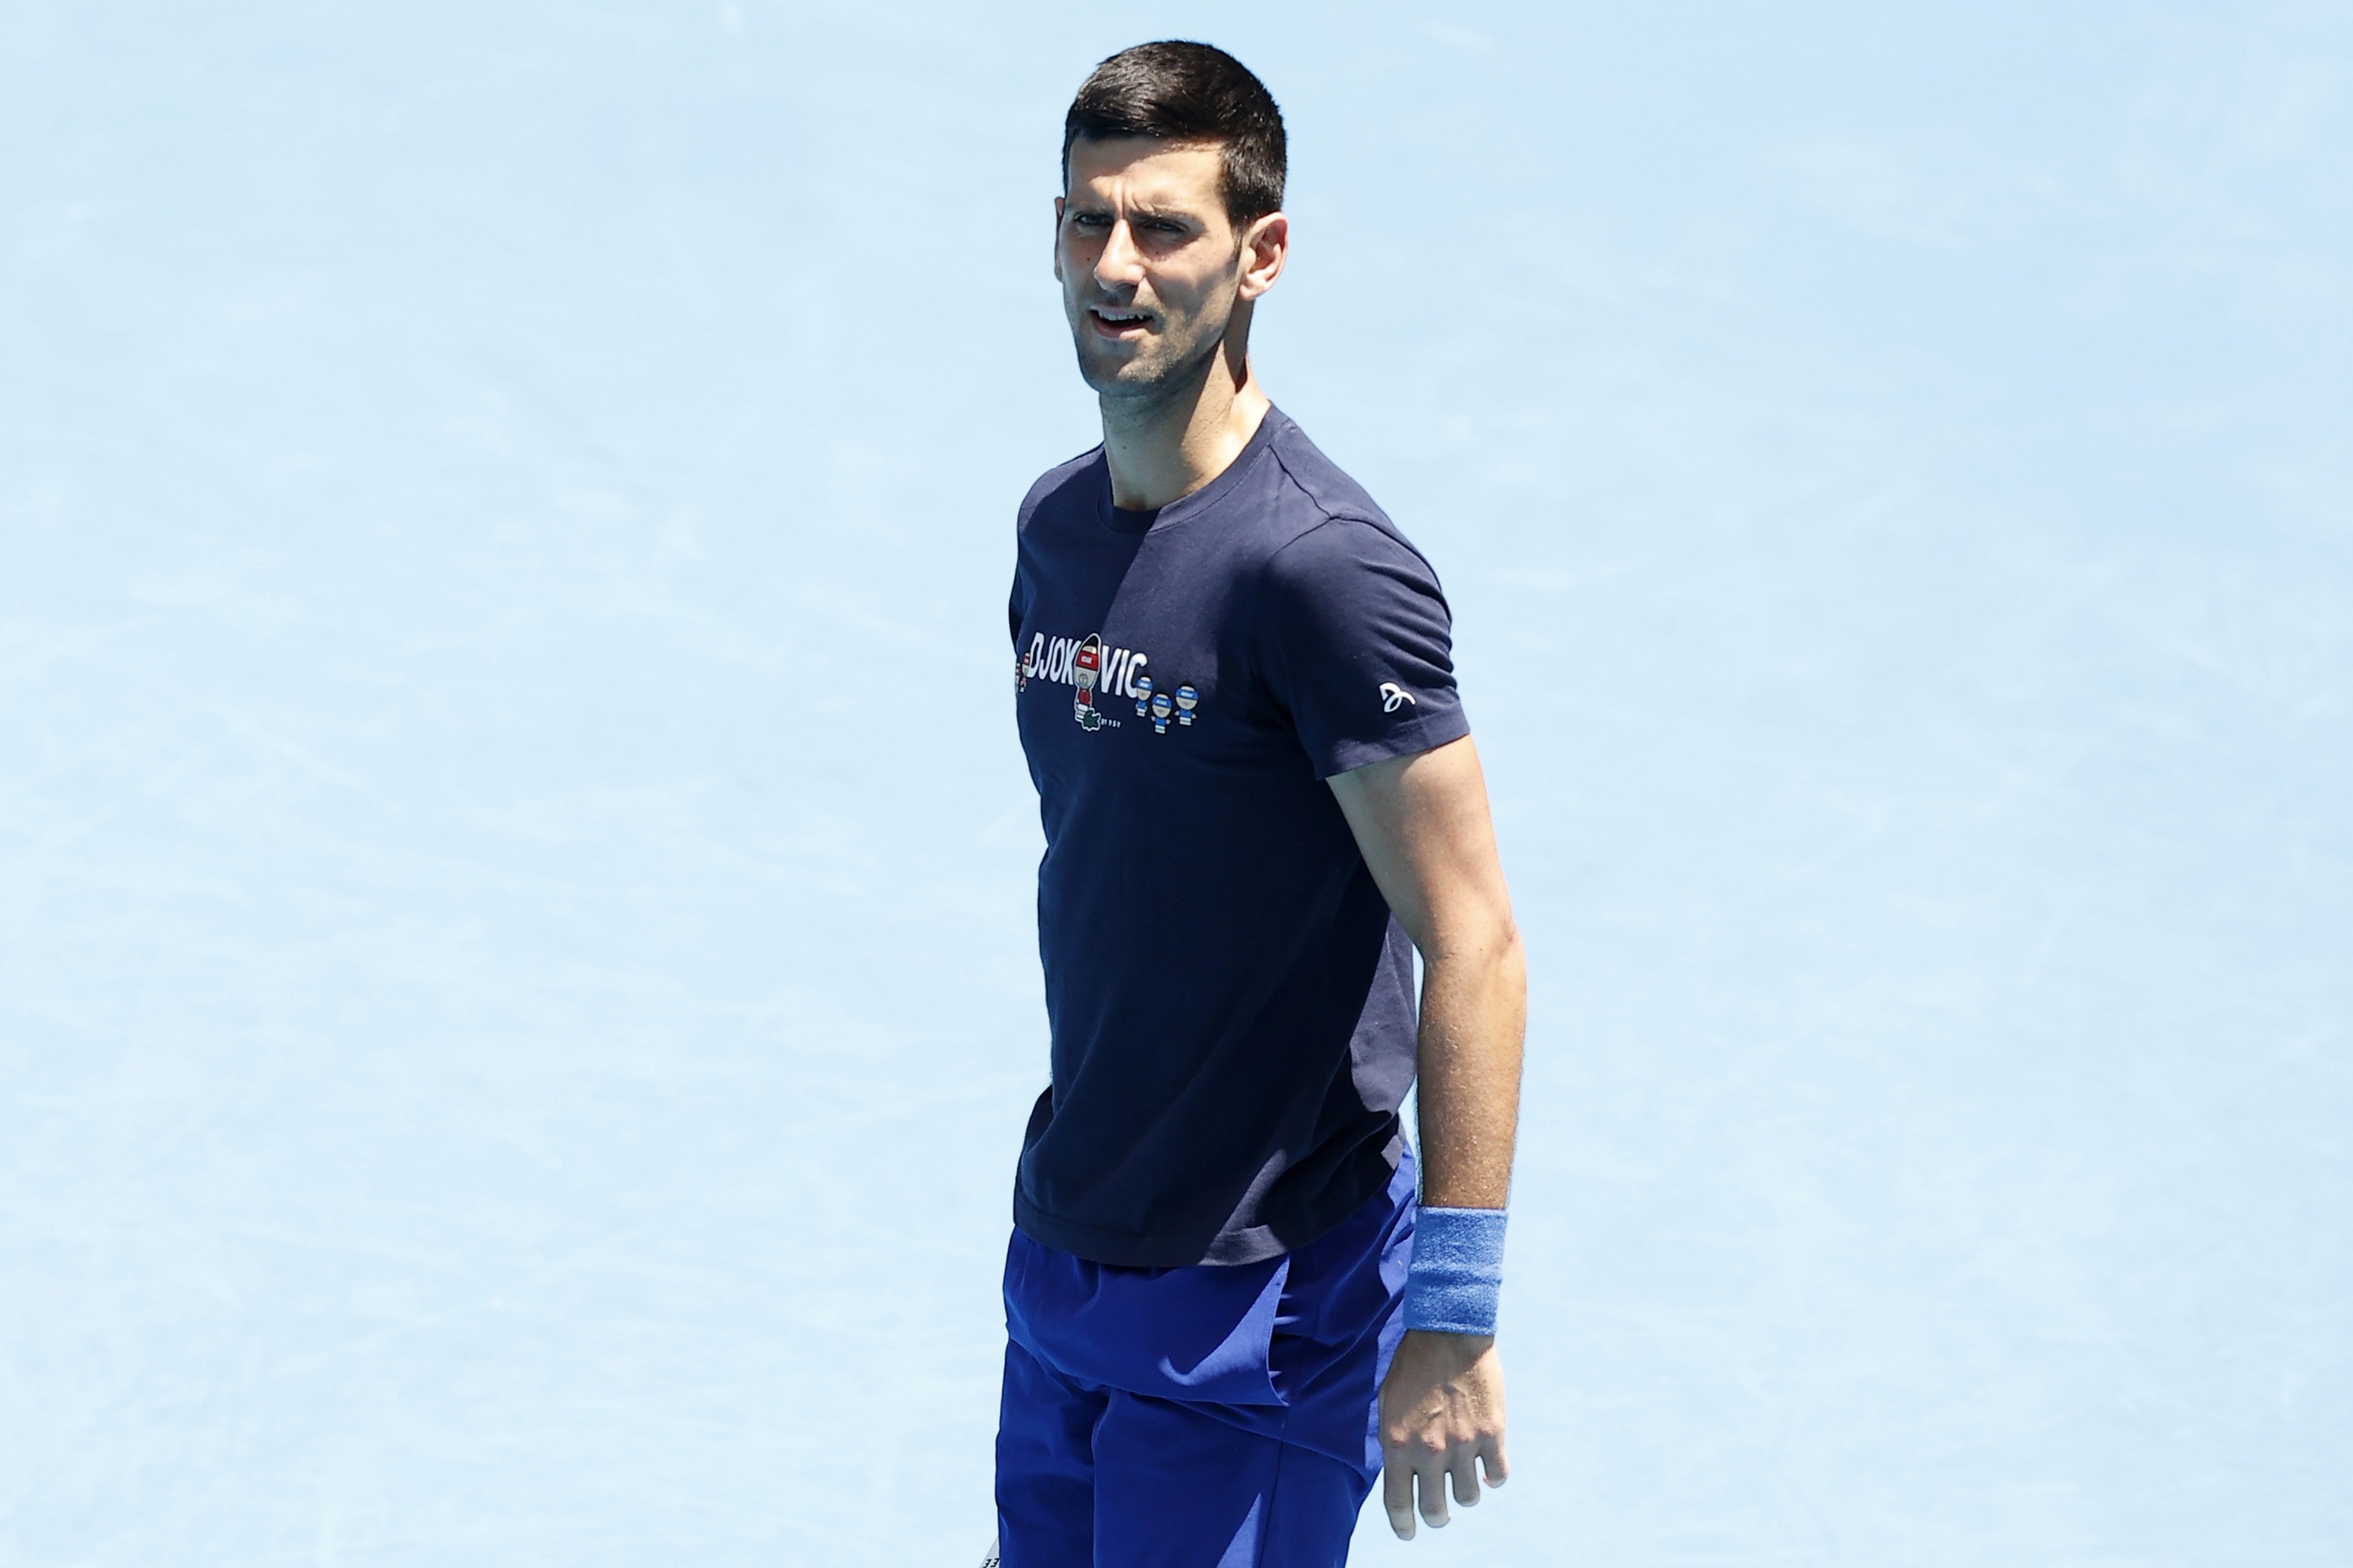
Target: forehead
1139	171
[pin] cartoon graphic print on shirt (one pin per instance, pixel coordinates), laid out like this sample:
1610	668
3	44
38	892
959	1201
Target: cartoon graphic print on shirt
1086	666
1097	669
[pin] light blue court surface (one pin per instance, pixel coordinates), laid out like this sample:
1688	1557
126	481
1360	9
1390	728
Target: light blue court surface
517	989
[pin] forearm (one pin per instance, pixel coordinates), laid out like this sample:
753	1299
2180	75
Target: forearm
1442	1404
1473	1017
1421	822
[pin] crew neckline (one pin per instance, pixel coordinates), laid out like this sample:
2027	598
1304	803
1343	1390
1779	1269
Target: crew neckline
1119	520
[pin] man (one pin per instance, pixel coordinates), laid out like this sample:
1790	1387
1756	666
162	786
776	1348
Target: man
1226	1312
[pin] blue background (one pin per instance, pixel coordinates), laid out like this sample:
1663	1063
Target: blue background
517	990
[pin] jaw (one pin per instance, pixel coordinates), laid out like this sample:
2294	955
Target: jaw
1144	364
1140	378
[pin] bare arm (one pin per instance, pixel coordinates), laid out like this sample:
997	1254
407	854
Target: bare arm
1421	823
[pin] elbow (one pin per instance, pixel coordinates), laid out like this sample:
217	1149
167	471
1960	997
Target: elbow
1511	959
1489	946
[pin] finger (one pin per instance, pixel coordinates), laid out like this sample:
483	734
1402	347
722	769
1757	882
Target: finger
1491	1458
1397	1494
1432	1482
1465	1471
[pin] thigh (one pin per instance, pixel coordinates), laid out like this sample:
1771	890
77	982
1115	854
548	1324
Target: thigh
1176	1486
1045	1467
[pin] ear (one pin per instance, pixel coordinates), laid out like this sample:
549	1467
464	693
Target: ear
1266	244
1058	239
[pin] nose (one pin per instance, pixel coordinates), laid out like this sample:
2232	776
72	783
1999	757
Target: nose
1120	264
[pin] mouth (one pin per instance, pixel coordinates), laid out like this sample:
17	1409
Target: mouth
1110	323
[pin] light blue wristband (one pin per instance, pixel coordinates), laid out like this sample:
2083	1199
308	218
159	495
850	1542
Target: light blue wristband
1457	1271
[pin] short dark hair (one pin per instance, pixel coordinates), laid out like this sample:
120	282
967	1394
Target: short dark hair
1178	91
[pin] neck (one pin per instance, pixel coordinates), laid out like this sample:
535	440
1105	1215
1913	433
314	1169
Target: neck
1163	446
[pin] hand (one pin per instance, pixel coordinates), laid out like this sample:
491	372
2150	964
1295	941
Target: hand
1441	1410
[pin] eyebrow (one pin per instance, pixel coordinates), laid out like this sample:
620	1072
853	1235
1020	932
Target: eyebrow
1138	210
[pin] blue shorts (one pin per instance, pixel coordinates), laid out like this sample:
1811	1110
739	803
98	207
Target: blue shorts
1202	1417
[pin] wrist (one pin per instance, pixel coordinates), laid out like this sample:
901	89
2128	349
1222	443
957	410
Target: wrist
1456	1275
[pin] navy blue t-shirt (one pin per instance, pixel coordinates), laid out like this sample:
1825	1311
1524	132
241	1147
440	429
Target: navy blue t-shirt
1231	1002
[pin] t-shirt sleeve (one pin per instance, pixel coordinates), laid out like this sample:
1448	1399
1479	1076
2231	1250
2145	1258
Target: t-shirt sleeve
1358	647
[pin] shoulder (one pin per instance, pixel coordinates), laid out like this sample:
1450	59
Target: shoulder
1325	485
1333	532
1062	485
1333	523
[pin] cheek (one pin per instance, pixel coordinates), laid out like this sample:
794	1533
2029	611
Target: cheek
1075	258
1200	302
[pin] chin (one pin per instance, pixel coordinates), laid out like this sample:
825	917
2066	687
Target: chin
1137	375
1119	375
